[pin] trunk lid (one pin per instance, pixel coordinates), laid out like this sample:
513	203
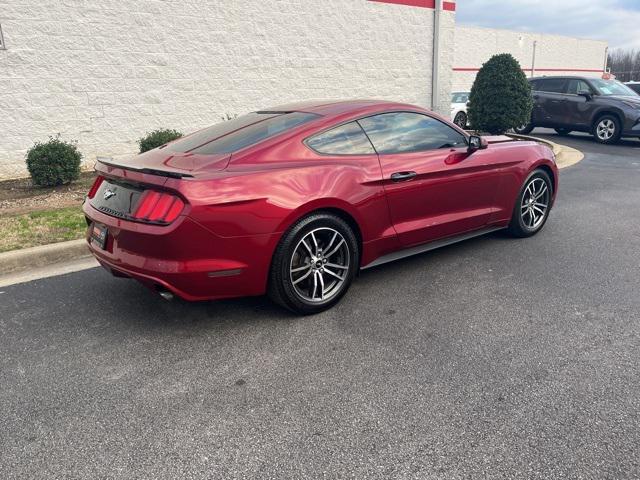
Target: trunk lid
117	198
167	163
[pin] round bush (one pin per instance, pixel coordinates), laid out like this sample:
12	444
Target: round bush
157	138
500	97
54	162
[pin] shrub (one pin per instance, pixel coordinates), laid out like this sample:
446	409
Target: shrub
500	97
54	162
157	138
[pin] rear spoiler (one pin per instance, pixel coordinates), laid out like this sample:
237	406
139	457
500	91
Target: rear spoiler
151	171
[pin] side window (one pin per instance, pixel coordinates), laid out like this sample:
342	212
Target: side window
347	139
551	85
402	132
535	84
577	86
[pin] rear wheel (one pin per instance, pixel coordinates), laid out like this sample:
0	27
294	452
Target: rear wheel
314	264
532	207
460	120
607	129
563	131
524	129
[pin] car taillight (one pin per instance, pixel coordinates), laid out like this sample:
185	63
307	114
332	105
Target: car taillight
95	186
158	207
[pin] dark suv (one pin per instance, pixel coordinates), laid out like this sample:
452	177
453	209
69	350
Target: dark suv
605	108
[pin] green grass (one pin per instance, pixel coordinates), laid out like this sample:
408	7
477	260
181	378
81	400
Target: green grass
41	227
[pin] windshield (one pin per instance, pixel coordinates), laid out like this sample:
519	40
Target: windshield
612	87
460	97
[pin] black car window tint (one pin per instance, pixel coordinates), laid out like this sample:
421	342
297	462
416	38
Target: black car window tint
402	132
348	139
552	85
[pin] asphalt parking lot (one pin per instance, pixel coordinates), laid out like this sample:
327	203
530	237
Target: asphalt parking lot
496	357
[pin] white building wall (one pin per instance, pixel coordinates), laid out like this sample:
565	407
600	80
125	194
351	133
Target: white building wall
105	72
555	54
445	61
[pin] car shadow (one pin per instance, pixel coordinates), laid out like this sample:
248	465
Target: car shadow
125	304
421	260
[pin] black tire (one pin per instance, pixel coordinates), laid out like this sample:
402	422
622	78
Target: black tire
563	131
521	224
282	289
524	129
611	129
460	120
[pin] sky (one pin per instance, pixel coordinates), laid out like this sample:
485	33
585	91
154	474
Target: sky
616	21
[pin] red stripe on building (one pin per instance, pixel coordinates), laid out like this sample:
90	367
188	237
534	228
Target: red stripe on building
448	6
475	69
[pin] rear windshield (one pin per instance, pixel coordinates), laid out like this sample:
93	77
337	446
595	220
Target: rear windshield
241	132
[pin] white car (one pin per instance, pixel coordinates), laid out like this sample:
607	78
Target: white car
635	86
459	102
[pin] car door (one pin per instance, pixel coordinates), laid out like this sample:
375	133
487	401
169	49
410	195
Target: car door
434	187
578	107
549	100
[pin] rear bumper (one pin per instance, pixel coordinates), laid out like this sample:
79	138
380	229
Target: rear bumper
184	257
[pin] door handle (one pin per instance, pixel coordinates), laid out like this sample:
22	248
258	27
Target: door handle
536	97
402	176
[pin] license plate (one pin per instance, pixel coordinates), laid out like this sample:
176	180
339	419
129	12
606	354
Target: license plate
99	235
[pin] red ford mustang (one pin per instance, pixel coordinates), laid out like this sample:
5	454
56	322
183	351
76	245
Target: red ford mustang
294	200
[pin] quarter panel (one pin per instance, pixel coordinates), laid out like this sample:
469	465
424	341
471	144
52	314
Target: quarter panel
268	201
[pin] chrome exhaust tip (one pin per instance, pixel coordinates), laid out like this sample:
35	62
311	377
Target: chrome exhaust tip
166	294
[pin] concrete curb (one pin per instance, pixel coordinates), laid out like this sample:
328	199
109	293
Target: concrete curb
36	257
565	156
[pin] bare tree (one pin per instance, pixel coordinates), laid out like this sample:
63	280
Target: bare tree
625	64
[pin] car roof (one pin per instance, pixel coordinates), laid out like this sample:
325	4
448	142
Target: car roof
337	107
551	77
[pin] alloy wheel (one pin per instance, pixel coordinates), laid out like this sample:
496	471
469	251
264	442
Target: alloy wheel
461	120
319	265
535	203
606	129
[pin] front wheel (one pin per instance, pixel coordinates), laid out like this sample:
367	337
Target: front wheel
532	206
314	264
607	129
461	120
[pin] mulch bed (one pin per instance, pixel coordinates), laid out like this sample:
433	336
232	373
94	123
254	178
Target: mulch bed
21	196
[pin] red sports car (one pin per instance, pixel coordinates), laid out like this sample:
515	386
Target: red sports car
296	199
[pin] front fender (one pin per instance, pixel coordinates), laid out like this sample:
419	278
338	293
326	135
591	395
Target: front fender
607	110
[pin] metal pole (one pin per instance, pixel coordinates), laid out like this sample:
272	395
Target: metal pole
435	62
533	60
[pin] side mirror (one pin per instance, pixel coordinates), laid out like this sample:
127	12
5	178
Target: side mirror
586	95
468	103
477	143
